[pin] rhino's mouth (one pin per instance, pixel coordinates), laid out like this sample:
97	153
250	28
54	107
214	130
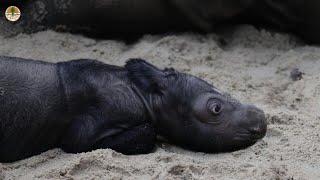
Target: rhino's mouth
251	136
246	137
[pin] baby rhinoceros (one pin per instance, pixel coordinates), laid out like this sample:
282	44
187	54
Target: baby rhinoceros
82	105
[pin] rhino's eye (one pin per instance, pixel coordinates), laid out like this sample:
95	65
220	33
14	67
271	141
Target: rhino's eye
216	108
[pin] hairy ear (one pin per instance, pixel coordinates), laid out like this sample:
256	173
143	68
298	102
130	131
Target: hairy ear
146	76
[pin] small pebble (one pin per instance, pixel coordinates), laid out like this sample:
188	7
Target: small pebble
296	74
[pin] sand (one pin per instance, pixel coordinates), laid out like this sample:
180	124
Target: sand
252	65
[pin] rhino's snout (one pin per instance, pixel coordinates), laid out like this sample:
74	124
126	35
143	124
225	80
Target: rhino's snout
256	122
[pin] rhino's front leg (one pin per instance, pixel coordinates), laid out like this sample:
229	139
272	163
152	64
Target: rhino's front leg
138	140
88	132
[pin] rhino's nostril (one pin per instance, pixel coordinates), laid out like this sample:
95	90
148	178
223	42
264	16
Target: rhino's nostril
255	130
258	131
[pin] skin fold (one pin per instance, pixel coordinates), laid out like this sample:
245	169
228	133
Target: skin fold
83	105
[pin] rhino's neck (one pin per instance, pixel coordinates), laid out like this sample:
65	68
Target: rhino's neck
147	102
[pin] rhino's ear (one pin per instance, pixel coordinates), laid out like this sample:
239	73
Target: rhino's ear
146	76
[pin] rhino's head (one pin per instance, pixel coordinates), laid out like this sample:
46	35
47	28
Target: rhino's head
194	114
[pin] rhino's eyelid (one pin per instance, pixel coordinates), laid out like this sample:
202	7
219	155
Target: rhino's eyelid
216	101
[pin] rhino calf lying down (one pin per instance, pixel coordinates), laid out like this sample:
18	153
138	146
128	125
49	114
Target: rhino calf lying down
82	105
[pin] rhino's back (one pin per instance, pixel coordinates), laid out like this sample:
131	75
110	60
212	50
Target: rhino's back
32	108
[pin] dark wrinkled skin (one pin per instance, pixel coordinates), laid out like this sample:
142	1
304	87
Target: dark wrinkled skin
82	105
130	18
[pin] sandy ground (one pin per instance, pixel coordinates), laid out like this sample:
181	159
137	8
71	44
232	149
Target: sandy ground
254	66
